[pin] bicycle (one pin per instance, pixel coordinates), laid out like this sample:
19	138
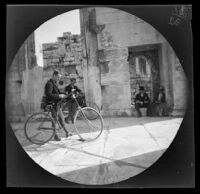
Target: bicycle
83	103
39	127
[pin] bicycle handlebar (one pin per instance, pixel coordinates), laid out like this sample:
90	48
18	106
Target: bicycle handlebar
71	94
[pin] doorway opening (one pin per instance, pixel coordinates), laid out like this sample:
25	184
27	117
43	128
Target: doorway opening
144	71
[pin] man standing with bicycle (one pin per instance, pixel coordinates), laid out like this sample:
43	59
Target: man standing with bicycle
53	96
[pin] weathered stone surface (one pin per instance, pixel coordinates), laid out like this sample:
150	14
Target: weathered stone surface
65	56
63	50
22	83
180	81
123	34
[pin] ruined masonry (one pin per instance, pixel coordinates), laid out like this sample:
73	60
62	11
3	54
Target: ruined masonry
25	80
24	83
64	55
115	54
122	52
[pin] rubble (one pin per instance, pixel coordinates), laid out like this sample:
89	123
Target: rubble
64	55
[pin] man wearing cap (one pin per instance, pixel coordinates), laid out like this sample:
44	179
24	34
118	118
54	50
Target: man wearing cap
141	101
71	102
53	96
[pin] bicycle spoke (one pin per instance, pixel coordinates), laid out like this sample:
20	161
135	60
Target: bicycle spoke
45	128
87	128
39	141
35	135
90	123
41	123
87	119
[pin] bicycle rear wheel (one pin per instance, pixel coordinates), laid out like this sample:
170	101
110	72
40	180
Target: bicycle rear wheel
39	128
86	126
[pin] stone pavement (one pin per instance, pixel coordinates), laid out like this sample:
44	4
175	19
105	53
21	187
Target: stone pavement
126	147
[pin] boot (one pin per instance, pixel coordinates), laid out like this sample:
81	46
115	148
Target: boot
68	134
56	138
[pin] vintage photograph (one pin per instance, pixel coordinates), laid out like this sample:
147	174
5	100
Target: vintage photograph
96	95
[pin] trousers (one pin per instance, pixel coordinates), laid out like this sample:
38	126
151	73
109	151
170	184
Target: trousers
138	106
72	107
57	110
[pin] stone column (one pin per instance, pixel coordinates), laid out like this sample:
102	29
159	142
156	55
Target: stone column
91	71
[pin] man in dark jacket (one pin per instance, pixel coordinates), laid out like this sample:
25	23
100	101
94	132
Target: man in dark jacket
53	96
141	101
72	106
160	103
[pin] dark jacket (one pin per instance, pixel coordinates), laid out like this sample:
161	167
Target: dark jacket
52	92
69	88
162	99
145	99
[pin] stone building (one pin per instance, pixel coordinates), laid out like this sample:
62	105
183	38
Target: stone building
64	55
23	79
122	52
115	54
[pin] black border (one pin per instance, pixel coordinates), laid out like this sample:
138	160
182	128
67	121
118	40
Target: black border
174	169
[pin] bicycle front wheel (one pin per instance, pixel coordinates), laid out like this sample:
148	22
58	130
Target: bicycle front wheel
39	128
86	126
95	107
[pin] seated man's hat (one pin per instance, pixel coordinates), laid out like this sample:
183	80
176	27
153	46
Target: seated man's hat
141	88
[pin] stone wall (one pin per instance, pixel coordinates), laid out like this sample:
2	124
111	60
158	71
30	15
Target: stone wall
23	83
64	55
116	32
91	71
14	106
115	81
124	30
181	94
32	90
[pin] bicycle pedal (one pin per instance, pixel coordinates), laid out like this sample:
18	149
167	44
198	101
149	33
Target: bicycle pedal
81	140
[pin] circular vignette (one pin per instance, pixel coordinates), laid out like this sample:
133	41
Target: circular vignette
147	42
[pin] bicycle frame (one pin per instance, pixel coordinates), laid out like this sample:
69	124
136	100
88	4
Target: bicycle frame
74	97
55	117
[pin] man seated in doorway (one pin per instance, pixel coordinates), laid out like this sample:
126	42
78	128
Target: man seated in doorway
160	107
72	106
53	96
141	101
